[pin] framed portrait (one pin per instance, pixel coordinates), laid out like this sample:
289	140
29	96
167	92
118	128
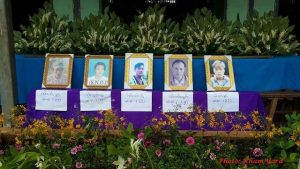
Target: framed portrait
138	71
58	71
178	72
98	71
219	73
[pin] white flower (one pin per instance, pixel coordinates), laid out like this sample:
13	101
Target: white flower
213	156
135	148
39	164
120	163
40	158
37	145
0	164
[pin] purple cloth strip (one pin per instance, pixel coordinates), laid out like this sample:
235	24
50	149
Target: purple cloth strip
249	102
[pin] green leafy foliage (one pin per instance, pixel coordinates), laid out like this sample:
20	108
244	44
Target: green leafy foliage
265	35
102	34
203	33
287	146
152	32
46	33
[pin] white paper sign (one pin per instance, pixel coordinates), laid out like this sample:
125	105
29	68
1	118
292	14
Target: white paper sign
224	101
95	100
178	101
51	100
136	101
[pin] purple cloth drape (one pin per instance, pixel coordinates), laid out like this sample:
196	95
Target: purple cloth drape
249	102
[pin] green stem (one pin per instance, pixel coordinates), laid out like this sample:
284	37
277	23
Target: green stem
198	158
148	156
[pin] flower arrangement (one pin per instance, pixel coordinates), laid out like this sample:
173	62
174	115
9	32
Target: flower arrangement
55	142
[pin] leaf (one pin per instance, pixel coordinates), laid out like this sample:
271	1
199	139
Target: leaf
219	165
112	150
130	128
289	144
293	156
283	154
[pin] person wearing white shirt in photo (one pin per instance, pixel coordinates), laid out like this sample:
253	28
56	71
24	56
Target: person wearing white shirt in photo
99	79
178	77
57	77
218	79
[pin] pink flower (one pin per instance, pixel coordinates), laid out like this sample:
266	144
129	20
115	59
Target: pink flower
79	148
166	142
158	152
142	167
217	148
18	147
217	142
1	152
190	141
148	143
55	146
257	152
74	151
79	164
141	136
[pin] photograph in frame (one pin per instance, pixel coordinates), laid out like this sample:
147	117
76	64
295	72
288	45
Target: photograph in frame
98	72
219	73
58	71
138	71
178	72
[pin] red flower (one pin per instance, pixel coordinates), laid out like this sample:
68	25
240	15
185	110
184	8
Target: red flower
158	152
166	142
79	164
190	141
141	136
148	143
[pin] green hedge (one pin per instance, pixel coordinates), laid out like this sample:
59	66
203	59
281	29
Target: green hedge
151	31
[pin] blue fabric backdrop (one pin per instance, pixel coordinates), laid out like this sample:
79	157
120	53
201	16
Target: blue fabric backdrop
259	75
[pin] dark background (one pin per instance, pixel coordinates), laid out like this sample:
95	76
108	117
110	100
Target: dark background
126	9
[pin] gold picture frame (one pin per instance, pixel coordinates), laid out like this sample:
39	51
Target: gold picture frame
135	66
178	72
58	71
98	72
219	73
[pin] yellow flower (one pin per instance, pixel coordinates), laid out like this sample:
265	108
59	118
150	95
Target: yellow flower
247	126
100	112
298	143
200	120
77	126
268	118
270	134
62	134
18	141
154	119
1	120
